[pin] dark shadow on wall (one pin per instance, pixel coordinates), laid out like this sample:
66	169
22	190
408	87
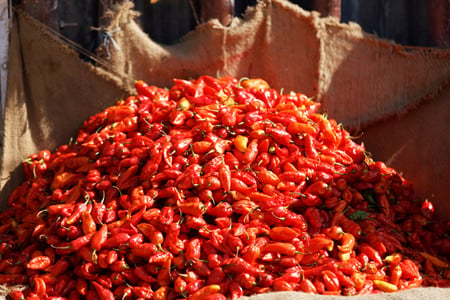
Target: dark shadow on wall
408	22
404	21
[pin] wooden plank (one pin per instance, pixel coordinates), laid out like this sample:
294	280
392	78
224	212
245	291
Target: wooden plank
439	11
328	7
5	23
222	10
45	11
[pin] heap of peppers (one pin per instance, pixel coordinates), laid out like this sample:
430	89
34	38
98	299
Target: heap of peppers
216	188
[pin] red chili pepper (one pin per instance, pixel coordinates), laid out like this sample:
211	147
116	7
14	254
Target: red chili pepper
88	254
172	242
40	287
372	175
348	225
92	295
117	278
81	286
99	238
385	286
16	295
268	177
331	281
59	267
151	233
64	209
87	270
98	211
103	292
409	269
142	274
123	292
313	216
283	233
319	188
234	242
75	216
239	186
279	135
222	209
205	291
319	242
296	128
310	148
246	177
116	240
390	242
374	240
195	285
159	257
195	209
296	221
217	276
317	270
88	224
164	276
371	253
281	248
348	241
236	291
166	216
147	293
180	285
193	249
307	286
344	280
201	268
366	289
251	152
239	265
396	274
293	176
136	240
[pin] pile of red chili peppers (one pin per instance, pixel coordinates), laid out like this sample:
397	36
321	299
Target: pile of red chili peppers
214	189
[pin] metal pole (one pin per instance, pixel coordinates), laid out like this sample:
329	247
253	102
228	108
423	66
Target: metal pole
5	24
328	7
223	10
438	11
46	11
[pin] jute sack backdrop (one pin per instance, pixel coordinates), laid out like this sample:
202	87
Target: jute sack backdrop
418	144
50	92
247	48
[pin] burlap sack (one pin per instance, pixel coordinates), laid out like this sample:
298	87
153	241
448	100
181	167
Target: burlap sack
50	93
418	144
359	79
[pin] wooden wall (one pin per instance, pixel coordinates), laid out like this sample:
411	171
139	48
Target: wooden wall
408	22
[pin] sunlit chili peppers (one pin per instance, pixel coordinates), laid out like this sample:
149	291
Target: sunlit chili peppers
214	189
